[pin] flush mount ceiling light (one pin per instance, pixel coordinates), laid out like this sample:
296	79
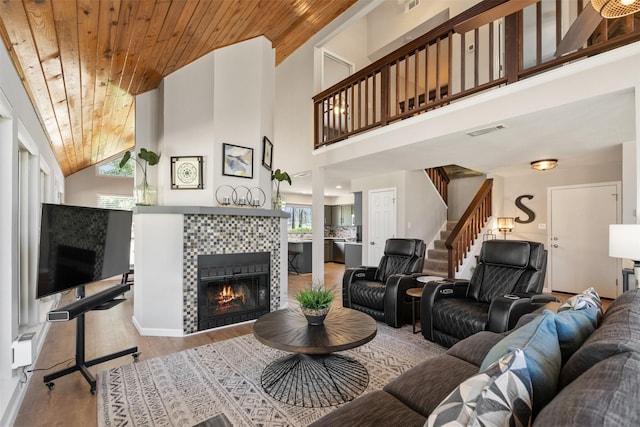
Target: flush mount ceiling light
615	8
544	165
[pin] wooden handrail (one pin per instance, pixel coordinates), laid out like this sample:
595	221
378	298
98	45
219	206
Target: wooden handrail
440	180
437	68
469	226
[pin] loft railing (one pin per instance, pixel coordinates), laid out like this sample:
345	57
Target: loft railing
443	66
440	180
468	227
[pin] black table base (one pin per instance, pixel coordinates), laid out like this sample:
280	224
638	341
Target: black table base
315	381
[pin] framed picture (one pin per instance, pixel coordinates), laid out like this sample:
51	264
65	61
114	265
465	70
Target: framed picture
186	173
237	161
267	153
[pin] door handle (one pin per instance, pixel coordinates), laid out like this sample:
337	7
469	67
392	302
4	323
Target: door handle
555	246
372	243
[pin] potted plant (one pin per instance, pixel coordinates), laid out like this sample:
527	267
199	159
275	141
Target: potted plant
145	194
315	303
279	176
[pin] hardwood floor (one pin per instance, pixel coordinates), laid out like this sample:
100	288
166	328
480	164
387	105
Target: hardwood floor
70	404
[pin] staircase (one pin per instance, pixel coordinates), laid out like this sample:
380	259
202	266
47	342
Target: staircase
436	263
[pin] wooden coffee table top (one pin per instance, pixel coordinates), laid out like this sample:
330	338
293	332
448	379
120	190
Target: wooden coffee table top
288	330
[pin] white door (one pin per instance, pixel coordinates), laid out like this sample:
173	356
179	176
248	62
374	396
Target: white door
579	232
382	221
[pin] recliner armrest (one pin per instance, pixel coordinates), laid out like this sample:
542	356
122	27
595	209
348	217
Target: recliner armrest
505	310
395	294
433	291
350	276
447	288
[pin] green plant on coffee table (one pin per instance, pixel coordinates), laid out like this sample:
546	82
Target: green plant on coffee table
315	299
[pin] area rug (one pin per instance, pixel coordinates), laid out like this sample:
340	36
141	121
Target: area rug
221	381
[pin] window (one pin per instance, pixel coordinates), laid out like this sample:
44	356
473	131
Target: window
112	168
109	201
300	218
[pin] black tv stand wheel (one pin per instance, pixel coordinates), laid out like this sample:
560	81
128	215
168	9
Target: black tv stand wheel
135	356
92	391
50	385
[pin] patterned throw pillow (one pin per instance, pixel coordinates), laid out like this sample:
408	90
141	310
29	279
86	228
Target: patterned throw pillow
507	399
500	395
587	298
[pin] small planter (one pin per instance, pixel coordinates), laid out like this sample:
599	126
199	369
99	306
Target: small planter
314	316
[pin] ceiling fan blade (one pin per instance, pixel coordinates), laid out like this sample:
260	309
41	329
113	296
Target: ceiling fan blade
504	9
580	30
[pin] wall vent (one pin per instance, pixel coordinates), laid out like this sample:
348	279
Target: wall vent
486	130
410	5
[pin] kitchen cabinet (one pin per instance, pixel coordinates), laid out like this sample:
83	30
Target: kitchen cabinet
338	251
352	255
328	215
341	215
328	250
357	208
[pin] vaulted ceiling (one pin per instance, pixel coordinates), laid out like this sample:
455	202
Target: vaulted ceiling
82	61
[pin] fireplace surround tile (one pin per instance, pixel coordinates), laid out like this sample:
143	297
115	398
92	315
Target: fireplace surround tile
223	234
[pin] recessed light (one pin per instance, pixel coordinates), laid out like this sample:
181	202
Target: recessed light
338	186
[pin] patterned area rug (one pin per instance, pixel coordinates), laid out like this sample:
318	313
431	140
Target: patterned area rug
221	381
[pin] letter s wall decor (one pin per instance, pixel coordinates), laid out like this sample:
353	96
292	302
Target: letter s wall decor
523	208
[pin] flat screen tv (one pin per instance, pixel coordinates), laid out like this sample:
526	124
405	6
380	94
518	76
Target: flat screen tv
81	245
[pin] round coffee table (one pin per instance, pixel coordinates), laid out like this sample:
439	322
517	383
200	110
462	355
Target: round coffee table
314	376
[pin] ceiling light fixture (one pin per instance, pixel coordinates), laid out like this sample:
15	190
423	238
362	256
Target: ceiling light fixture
615	8
544	165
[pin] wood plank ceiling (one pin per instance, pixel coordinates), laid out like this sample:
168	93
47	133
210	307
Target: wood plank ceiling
82	61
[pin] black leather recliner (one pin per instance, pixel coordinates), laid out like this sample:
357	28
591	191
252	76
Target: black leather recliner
381	291
506	283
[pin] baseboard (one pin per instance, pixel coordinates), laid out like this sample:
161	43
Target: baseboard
9	413
156	332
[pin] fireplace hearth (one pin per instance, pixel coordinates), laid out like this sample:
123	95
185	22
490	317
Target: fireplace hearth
232	288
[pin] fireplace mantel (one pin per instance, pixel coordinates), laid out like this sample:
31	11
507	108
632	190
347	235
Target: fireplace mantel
208	210
168	240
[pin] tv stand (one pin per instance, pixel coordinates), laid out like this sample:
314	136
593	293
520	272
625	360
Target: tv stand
101	301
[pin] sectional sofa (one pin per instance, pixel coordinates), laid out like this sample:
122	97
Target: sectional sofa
583	369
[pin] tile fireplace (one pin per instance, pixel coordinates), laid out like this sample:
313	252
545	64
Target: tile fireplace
232	288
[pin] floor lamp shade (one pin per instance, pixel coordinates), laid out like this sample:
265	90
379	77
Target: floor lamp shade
624	242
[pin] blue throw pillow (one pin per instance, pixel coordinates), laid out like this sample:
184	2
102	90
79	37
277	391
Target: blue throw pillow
573	328
538	340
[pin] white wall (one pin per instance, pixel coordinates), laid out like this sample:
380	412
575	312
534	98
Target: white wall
420	212
18	121
537	184
460	193
351	45
425	211
226	96
83	187
389	22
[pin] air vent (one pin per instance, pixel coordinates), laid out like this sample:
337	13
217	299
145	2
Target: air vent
410	5
483	131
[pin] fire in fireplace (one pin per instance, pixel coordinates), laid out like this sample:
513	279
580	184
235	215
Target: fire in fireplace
232	288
